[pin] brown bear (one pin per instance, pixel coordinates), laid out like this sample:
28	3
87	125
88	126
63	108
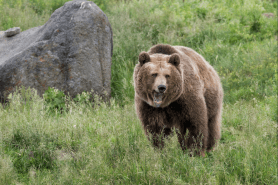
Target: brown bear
176	88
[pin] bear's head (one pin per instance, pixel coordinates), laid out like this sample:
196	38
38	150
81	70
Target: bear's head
159	80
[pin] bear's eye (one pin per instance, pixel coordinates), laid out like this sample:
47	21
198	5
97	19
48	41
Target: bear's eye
154	75
167	76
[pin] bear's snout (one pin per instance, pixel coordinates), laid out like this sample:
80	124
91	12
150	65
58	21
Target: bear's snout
161	88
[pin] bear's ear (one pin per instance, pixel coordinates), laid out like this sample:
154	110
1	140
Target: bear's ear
144	58
174	59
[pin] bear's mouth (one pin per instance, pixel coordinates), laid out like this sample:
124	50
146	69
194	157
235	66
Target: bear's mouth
157	99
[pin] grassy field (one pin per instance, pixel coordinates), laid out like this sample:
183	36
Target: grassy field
105	144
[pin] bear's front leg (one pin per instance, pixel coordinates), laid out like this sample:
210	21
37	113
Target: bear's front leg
195	136
193	142
157	134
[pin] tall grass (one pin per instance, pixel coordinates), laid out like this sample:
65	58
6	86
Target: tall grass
233	36
105	144
223	32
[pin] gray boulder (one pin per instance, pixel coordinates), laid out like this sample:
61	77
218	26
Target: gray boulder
71	52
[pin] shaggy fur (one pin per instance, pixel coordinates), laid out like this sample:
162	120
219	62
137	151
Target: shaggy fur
191	103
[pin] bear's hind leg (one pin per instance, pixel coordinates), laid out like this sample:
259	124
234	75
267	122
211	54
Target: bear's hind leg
214	125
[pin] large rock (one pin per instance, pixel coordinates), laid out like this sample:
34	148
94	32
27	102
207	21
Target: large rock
71	52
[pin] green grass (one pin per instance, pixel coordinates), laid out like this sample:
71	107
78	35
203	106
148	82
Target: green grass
105	144
245	58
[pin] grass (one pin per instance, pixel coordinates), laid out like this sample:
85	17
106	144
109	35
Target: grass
105	144
245	58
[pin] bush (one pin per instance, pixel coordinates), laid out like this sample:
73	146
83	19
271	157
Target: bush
55	100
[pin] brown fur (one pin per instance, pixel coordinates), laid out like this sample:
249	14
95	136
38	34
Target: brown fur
192	101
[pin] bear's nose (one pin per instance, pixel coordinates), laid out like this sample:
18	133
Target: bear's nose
161	88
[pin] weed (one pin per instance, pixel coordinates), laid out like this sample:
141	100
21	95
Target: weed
55	100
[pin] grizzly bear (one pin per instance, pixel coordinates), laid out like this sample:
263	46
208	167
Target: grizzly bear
177	89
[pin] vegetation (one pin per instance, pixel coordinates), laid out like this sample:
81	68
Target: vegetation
58	140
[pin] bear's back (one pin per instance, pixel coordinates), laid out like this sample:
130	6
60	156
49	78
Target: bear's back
205	70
